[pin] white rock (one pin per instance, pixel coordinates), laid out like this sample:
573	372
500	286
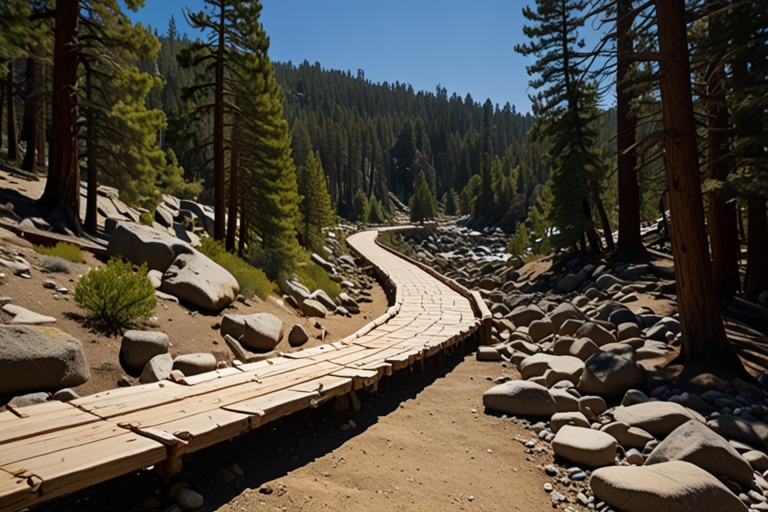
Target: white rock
585	446
520	398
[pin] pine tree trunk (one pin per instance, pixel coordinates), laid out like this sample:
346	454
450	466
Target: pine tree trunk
607	231
93	159
233	184
243	226
62	190
723	234
29	129
630	242
756	278
594	241
219	206
13	139
703	334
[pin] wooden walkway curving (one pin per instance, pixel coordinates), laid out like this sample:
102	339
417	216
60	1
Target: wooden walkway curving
55	448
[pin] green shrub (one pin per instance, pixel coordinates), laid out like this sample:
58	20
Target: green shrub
64	250
117	292
56	264
146	218
252	281
315	278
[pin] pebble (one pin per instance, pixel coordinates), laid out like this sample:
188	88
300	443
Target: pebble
582	498
556	497
224	477
548	487
188	499
551	470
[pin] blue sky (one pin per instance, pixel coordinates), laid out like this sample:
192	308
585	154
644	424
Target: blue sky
467	47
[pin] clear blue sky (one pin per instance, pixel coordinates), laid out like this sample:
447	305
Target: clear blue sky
467	47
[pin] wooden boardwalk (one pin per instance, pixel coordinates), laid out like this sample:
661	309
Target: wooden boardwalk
54	448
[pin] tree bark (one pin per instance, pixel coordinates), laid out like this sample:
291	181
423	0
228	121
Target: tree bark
756	277
703	333
29	130
62	190
91	152
723	233
630	242
13	139
233	184
243	227
607	231
219	206
594	241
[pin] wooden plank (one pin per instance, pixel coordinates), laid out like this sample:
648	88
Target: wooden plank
215	374
41	419
360	377
287	401
76	468
15	492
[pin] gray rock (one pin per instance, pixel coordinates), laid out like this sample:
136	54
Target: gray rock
540	329
565	401
313	308
628	330
596	333
635	457
322	263
561	419
585	446
697	444
524	315
138	347
488	354
295	289
24	316
65	395
607	374
30	399
570	327
605	281
158	368
622	316
538	364
619	349
520	398
194	364
298	336
39	358
562	313
197	279
670	487
753	433
143	244
633	396
628	437
205	218
259	331
155	277
657	418
583	348
757	459
323	298
595	404
188	499
568	283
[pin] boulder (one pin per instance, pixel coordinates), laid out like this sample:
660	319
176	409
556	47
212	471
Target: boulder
313	308
671	486
524	315
585	446
634	396
610	375
596	333
753	433
628	437
628	330
30	399
565	401
622	316
298	336
583	348
595	404
488	354
322	263
324	299
620	349
155	277
198	280
561	419
540	329
563	312
158	368
695	443
24	316
295	289
657	418
205	218
39	358
142	244
570	327
605	281
259	331
138	347
520	397
757	459
194	364
568	283
538	364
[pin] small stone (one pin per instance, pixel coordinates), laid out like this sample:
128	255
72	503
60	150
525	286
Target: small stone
548	487
224	477
551	470
50	285
188	499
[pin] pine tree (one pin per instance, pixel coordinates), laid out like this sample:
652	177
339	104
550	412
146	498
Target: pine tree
565	106
423	204
485	204
450	202
518	245
316	205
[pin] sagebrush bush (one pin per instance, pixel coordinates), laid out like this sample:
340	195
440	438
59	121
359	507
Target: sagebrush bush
116	293
252	280
64	250
315	278
56	264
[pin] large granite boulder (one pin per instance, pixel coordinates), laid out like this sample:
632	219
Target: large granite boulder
520	397
259	331
563	312
585	446
142	244
607	374
198	280
39	358
656	418
675	486
138	347
696	443
194	364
